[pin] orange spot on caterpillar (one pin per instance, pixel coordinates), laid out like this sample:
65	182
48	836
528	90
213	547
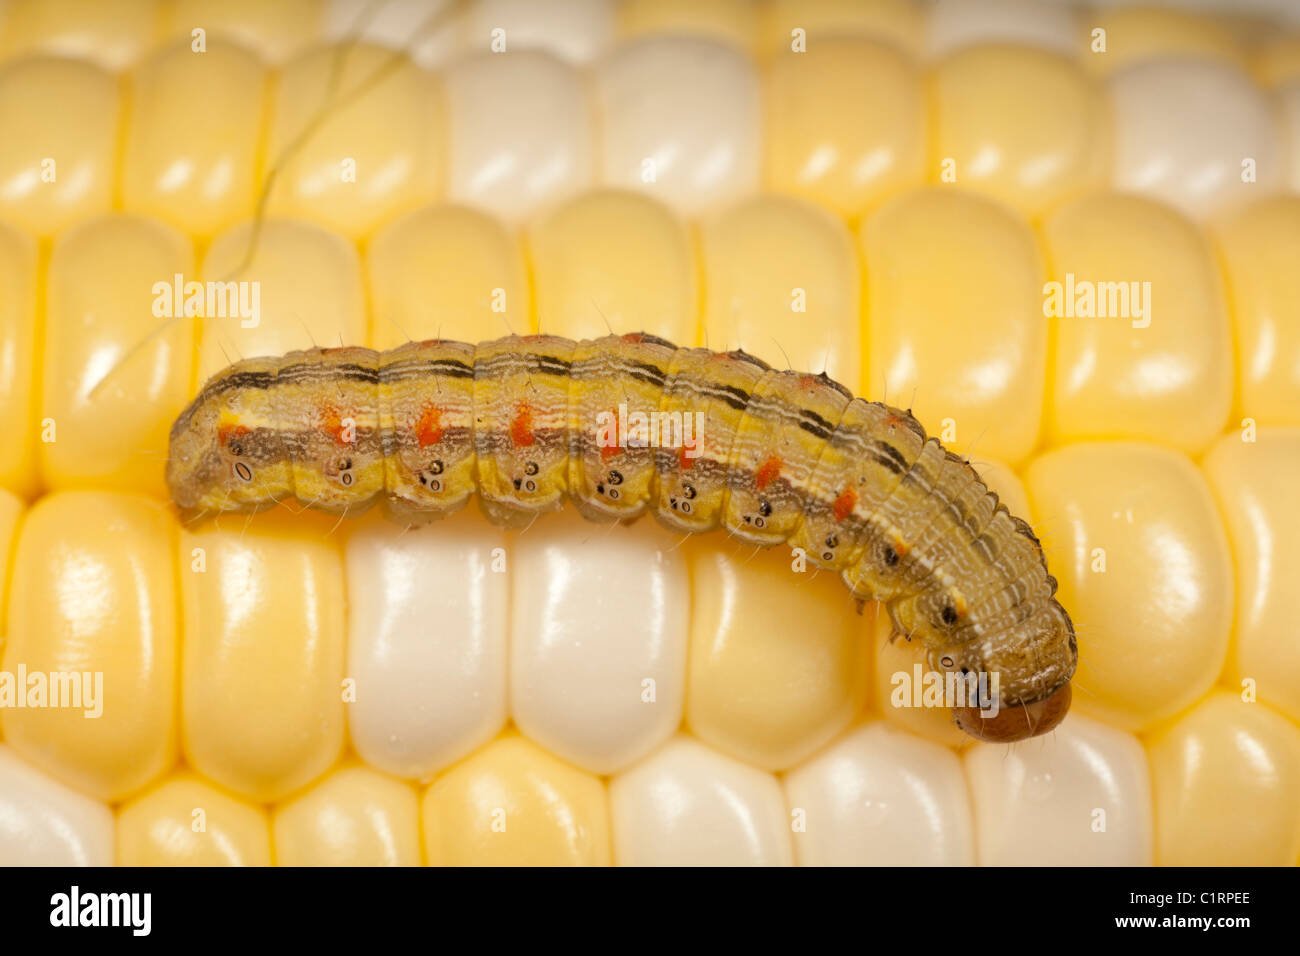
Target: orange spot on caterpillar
685	461
521	426
429	428
227	432
843	506
767	472
332	424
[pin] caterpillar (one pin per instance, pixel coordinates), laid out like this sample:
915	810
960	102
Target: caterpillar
778	457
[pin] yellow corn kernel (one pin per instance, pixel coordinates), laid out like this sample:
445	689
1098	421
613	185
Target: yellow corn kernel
1026	127
731	21
377	154
276	31
777	659
93	610
1141	33
1260	247
1278	61
513	804
304	285
58	154
986	384
1134	539
898	22
188	822
614	259
353	817
1224	778
112	33
783	280
447	272
262	686
18	262
1142	347
818	147
112	381
195	169
1254	481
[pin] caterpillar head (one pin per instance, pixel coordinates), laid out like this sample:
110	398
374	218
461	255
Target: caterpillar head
1033	660
225	450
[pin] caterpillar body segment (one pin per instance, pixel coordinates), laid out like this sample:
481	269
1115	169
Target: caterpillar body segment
426	416
618	384
777	450
714	388
628	424
521	426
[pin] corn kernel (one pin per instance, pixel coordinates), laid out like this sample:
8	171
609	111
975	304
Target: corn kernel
59	150
1142	346
446	272
1254	482
777	658
262	686
821	148
1023	126
614	259
1225	776
185	821
375	154
1133	536
353	817
92	618
195	169
513	804
982	387
783	279
117	368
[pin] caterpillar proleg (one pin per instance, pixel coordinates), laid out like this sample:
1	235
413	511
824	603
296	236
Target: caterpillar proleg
630	424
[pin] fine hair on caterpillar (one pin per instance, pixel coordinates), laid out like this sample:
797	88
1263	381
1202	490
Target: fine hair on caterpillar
781	457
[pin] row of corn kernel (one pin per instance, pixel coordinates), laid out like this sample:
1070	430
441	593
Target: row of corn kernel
117	32
972	354
876	796
260	677
847	122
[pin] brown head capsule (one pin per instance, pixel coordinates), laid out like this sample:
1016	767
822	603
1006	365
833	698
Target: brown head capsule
1017	721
